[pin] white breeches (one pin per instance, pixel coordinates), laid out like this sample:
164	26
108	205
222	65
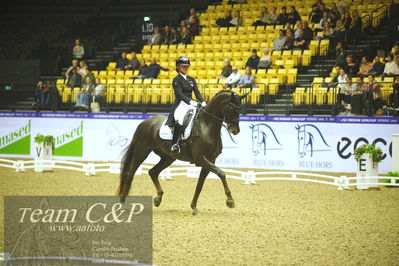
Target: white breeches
181	111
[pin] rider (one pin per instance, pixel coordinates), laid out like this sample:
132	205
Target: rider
183	86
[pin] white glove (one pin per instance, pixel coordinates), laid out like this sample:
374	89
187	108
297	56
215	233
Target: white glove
193	103
203	104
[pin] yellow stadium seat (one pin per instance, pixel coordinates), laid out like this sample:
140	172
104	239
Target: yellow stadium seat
111	66
110	74
291	75
273	86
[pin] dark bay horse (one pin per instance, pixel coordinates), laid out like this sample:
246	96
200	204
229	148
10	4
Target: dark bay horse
202	147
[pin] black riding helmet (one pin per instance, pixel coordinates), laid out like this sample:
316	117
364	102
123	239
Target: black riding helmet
182	60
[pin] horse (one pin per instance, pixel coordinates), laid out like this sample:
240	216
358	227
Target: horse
202	147
307	136
259	138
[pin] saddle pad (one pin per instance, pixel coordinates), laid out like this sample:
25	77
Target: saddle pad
165	132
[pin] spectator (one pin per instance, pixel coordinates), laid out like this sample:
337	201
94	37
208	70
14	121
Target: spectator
225	21
75	64
226	70
99	91
266	60
38	92
122	63
247	80
143	70
372	95
327	32
335	10
323	21
347	20
253	60
377	68
263	18
339	34
346	92
236	21
356	26
193	14
236	2
167	35
45	98
334	79
78	50
333	19
342	6
154	68
316	14
293	16
186	37
82	98
365	67
273	16
289	41
307	32
88	75
133	63
287	28
395	50
183	24
300	42
194	26
279	42
74	80
350	66
298	25
391	67
282	17
156	37
340	54
175	36
341	79
82	68
394	97
360	85
233	79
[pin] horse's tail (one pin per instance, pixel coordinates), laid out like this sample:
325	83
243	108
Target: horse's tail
125	177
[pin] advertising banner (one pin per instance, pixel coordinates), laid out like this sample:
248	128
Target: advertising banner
264	142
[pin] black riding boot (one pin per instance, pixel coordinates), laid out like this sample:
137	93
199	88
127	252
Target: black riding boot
176	135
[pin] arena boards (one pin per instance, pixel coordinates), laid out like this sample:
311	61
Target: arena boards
316	143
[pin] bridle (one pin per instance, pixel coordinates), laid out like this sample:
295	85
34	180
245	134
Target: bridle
235	108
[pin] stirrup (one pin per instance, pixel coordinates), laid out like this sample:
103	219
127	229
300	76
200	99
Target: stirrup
175	148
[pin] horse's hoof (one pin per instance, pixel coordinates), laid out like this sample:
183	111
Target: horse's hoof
230	203
123	206
157	201
196	212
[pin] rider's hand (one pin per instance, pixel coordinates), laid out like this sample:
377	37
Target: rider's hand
193	103
203	104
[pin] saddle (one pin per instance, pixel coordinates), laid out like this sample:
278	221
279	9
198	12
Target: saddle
166	132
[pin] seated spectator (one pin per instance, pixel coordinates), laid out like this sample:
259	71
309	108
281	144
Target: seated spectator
300	42
153	69
193	14
323	21
316	14
327	32
266	60
186	37
194	26
236	21
156	37
225	21
333	19
99	91
232	80
226	70
293	16
395	49
143	70
75	64
298	25
273	16
166	35
391	67
74	80
394	97
334	9
122	63
45	95
287	28
340	54
339	34
183	23
372	95
350	66
282	18
346	20
78	50
365	67
88	75
341	79
279	42
82	68
133	63
175	36
346	91
247	80
263	18
378	67
334	80
289	41
253	60
342	6
307	32
83	98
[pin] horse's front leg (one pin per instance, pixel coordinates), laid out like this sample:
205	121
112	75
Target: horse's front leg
219	172
203	174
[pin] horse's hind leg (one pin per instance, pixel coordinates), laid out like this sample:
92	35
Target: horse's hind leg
154	173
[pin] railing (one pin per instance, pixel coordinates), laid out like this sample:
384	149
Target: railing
376	18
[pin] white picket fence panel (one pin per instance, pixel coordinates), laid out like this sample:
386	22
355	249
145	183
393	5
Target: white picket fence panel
248	176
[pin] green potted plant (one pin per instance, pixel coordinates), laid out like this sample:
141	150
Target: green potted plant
367	156
392	174
43	151
46	140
